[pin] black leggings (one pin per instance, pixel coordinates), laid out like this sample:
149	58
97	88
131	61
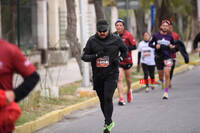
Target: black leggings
105	89
148	70
172	69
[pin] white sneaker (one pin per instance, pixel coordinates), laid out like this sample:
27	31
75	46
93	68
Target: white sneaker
165	95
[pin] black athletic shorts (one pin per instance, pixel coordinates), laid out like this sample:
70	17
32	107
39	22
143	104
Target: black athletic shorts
161	63
126	66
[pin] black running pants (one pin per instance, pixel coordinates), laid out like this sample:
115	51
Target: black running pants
172	69
148	70
105	88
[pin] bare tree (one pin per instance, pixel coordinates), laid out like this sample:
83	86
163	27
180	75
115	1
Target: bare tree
71	35
195	26
99	9
141	26
12	36
163	11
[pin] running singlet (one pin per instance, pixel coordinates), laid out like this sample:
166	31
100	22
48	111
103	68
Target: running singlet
147	53
12	61
129	40
164	40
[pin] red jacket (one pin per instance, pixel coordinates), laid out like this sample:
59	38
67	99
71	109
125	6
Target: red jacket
175	37
129	40
9	113
2	99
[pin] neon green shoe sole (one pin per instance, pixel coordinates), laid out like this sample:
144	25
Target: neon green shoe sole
147	89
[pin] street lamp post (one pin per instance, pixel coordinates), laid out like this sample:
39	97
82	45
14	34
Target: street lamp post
127	14
83	31
198	9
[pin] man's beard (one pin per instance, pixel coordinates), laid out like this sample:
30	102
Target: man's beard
163	30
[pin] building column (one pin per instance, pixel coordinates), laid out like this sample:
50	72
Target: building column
42	29
53	21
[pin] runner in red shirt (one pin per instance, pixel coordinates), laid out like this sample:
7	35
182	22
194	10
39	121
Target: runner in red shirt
175	37
12	61
126	64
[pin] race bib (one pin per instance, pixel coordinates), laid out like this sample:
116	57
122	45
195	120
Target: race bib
102	62
146	53
168	62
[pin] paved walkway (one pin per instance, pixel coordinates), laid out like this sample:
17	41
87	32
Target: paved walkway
148	113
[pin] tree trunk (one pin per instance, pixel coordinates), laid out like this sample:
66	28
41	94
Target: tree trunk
188	30
162	12
180	23
157	18
12	35
195	26
166	10
140	23
99	9
71	35
0	22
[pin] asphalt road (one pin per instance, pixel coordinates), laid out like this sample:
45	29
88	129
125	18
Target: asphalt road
148	113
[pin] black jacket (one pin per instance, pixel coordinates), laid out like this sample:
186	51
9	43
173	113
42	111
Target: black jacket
111	46
196	40
181	47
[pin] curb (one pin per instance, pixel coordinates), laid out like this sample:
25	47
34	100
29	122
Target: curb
57	115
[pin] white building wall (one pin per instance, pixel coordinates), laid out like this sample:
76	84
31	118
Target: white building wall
62	23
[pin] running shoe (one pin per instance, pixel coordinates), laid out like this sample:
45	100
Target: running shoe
121	102
108	128
165	95
147	89
129	96
152	86
106	131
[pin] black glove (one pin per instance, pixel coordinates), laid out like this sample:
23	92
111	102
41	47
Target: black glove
132	47
117	60
121	58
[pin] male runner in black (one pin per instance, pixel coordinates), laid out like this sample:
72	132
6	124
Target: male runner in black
102	50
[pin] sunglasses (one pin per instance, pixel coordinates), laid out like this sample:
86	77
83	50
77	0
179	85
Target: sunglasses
103	31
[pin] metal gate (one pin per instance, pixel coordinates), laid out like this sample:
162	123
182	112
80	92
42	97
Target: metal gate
18	22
